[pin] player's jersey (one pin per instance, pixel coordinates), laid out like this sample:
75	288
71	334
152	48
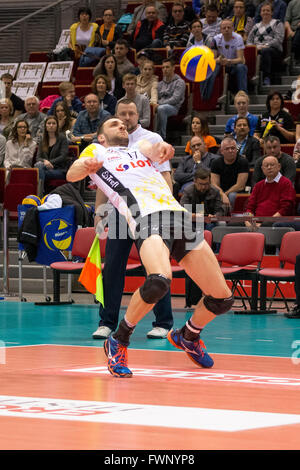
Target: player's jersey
131	182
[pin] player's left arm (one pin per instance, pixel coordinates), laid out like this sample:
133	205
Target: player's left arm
83	167
168	178
159	152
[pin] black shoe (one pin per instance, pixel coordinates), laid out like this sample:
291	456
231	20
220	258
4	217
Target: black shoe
295	313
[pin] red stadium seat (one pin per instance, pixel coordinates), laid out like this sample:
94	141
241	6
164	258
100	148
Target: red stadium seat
84	75
293	108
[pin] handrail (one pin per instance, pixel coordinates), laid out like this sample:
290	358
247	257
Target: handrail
27	17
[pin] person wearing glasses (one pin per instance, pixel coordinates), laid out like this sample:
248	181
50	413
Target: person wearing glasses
177	30
33	117
20	147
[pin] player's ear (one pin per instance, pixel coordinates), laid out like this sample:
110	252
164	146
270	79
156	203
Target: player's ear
101	139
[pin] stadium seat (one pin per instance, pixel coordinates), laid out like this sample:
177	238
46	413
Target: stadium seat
54	183
40	56
84	75
82	90
287	148
240	203
297	181
25	176
217	96
293	108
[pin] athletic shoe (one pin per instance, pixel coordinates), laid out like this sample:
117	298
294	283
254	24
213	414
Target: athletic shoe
157	333
117	358
295	313
194	349
102	332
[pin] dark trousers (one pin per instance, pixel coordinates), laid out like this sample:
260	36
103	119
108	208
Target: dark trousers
296	44
270	57
116	256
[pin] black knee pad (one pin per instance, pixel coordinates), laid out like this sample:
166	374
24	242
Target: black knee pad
154	288
218	306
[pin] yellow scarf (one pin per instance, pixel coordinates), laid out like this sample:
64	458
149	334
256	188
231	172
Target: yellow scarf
111	33
241	24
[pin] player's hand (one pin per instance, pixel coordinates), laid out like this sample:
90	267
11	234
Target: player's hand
91	165
165	152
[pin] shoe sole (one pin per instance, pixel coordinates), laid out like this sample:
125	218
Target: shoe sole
100	337
156	337
188	355
111	371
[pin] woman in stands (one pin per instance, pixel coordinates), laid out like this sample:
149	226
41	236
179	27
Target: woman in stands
65	119
108	66
241	22
53	152
83	39
199	127
6	117
20	147
241	104
101	86
147	82
276	121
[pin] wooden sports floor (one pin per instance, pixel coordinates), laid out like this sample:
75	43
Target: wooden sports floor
56	393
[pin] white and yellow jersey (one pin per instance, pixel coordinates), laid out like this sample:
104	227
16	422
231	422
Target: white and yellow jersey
131	182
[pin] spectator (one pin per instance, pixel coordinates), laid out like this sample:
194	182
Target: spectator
147	82
242	24
267	36
20	147
197	38
276	121
33	117
187	165
211	23
2	149
18	103
65	120
109	32
278	7
67	92
274	196
295	313
199	127
83	38
296	153
6	117
101	87
52	156
108	66
141	101
171	95
139	14
241	103
120	52
229	172
292	26
247	146
287	164
88	121
177	30
148	32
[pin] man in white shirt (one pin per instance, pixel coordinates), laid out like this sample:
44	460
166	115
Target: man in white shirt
117	250
142	102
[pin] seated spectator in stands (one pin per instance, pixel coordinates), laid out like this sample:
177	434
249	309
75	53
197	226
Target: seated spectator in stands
201	192
139	14
171	95
83	38
101	87
52	156
287	164
211	23
241	103
274	196
108	66
33	117
296	153
292	26
67	92
278	7
148	32
109	32
199	127
17	102
147	82
2	149
141	101
196	38
267	36
276	121
20	147
242	23
247	146
87	122
65	120
177	31
123	63
187	165
229	172
6	117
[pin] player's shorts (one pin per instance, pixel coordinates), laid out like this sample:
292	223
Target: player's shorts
177	230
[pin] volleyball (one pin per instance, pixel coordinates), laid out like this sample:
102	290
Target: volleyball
197	63
31	200
45	198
